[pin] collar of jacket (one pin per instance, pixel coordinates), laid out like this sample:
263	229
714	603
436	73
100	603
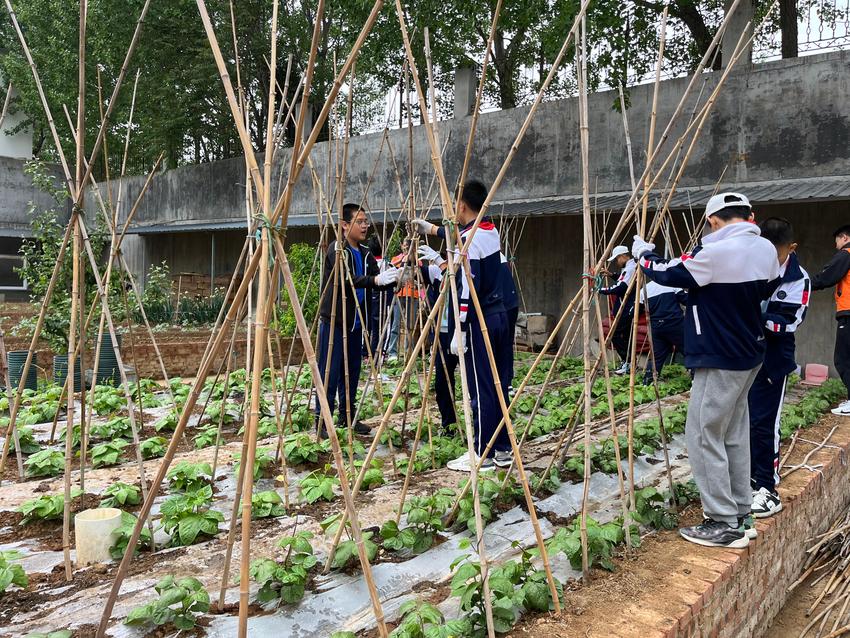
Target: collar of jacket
737	229
485	224
791	269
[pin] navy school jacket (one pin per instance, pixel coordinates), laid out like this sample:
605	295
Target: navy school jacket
727	278
784	313
619	289
484	261
665	303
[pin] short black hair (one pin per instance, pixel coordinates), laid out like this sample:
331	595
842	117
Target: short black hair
733	212
473	194
374	244
841	230
778	231
348	211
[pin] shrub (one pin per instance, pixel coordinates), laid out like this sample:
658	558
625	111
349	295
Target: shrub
180	602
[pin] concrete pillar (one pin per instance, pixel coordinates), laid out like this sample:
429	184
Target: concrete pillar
737	23
308	120
466	86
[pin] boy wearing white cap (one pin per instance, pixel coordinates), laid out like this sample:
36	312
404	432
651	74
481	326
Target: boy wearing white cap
727	278
622	259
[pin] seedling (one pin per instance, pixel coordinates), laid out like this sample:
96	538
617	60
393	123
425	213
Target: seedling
45	463
318	486
285	580
106	454
180	602
424	522
267	504
10	572
120	495
187	516
154	447
189	477
125	532
46	507
27	439
263	462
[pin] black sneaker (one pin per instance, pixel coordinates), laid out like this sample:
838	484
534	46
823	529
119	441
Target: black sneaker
362	428
749	525
503	459
713	533
766	503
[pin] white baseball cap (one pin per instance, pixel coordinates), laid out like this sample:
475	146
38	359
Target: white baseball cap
725	200
618	250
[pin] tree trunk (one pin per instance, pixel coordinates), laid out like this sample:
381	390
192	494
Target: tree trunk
788	26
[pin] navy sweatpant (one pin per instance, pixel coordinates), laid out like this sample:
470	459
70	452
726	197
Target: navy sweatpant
486	411
765	400
444	381
335	388
666	336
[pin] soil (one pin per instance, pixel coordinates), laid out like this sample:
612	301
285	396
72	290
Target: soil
792	618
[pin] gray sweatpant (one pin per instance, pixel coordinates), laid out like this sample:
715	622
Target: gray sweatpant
717	433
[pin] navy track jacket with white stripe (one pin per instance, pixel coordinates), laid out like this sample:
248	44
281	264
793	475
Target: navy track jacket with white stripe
784	313
485	265
665	303
727	278
619	289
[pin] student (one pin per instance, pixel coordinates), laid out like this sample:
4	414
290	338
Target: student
379	300
785	311
727	278
359	274
432	266
484	264
622	259
837	273
667	323
406	305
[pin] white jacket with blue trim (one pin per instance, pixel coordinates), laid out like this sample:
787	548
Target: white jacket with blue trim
727	278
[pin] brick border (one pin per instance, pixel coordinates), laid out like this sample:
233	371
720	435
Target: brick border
736	593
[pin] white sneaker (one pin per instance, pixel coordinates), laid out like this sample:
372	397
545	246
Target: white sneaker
392	358
843	409
461	464
765	503
623	369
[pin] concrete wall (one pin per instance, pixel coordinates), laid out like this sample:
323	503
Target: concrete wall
782	119
16	193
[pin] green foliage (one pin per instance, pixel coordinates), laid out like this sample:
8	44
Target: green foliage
601	541
106	454
46	507
549	485
285	580
107	400
424	522
200	310
10	572
686	492
346	552
267	504
120	495
263	462
123	534
116	427
205	437
187	516
300	448
189	477
318	485
180	602
75	436
301	260
807	410
441	450
26	438
158	295
418	620
167	423
651	510
374	476
154	447
489	494
45	463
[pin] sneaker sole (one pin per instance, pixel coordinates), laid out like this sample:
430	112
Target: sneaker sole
769	513
741	543
486	468
838	412
752	534
503	463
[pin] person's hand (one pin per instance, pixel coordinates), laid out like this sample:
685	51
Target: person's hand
453	347
640	247
429	254
423	227
389	276
605	272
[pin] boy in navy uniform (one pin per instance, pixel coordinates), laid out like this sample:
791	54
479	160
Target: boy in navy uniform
359	274
484	264
727	278
783	314
667	322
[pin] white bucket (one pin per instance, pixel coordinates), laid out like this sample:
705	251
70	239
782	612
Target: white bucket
94	531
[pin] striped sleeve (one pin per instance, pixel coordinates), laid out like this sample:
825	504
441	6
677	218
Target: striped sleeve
691	270
786	315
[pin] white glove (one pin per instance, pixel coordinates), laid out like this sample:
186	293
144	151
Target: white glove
641	247
453	347
389	276
429	254
423	227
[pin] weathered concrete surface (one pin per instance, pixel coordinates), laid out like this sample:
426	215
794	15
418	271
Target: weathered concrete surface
782	119
17	192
